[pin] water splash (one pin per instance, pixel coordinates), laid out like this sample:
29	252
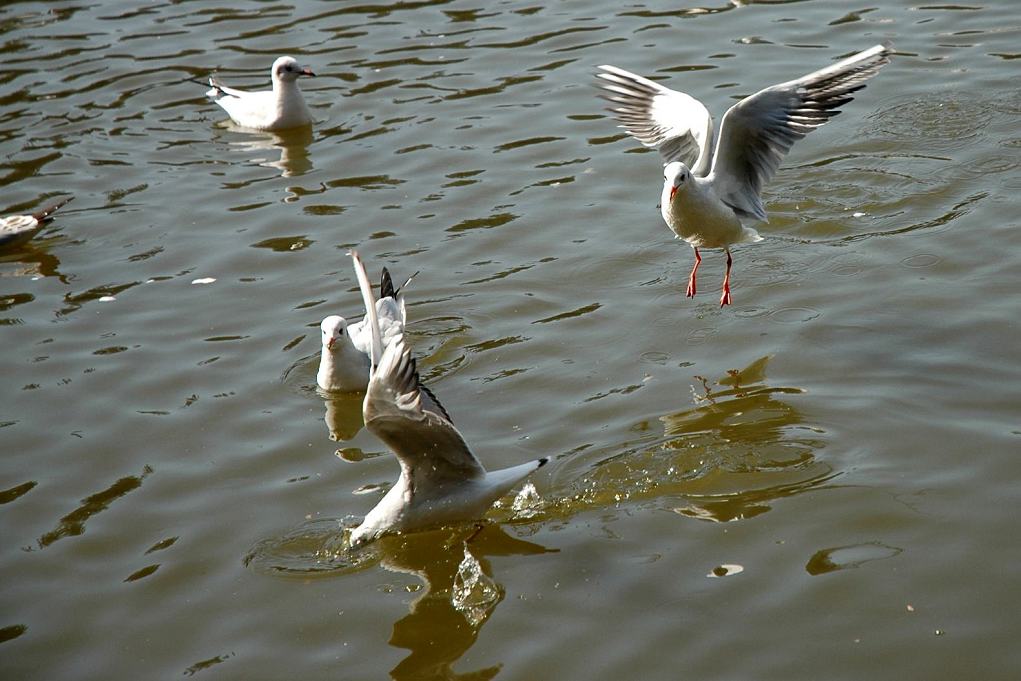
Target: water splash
474	593
321	547
527	502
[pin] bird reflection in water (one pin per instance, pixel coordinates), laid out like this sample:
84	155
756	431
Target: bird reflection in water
458	598
31	260
293	144
741	447
458	593
343	414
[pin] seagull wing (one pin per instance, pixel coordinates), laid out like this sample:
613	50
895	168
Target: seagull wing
371	320
218	88
386	285
675	123
757	132
430	449
45	214
388	325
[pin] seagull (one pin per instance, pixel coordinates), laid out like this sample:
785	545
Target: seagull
347	348
18	229
441	480
344	363
708	189
277	109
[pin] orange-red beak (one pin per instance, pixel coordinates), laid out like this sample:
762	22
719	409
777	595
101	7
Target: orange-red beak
673	190
307	72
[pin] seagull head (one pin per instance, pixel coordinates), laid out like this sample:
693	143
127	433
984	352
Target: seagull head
288	70
334	328
675	176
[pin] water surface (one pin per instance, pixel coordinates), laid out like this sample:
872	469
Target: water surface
817	481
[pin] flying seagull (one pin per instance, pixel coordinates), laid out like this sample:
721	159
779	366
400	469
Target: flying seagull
710	188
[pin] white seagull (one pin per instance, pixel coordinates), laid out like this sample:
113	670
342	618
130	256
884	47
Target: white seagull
277	109
710	188
344	363
18	229
441	482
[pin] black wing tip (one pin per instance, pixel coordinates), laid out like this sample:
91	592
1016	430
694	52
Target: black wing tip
216	85
423	388
410	378
46	212
386	285
542	462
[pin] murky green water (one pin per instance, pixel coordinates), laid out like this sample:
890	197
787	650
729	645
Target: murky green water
817	482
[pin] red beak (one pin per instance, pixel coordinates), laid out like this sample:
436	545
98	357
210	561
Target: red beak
673	190
307	72
329	344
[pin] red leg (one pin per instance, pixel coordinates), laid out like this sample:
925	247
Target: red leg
725	298
691	277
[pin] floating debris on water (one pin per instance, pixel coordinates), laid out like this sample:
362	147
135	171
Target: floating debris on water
726	570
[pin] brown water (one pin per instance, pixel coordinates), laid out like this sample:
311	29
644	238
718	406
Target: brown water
816	482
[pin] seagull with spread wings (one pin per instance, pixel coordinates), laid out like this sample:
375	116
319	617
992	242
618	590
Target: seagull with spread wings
441	481
711	186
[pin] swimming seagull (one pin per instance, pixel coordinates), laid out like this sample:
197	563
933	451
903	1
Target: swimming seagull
344	363
441	481
18	229
708	190
347	348
276	109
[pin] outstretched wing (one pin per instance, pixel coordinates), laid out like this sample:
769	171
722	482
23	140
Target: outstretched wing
758	131
388	324
371	319
675	123
425	442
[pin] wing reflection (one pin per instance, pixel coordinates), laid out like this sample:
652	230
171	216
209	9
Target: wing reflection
741	447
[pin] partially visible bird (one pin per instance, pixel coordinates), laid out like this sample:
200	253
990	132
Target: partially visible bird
18	229
441	481
277	109
344	363
347	348
709	189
